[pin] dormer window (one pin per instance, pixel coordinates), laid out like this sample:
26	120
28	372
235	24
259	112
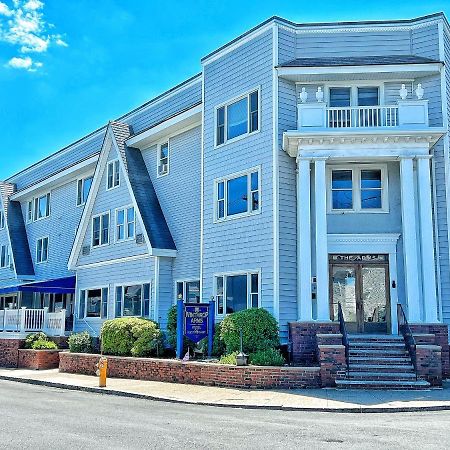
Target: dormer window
113	174
163	159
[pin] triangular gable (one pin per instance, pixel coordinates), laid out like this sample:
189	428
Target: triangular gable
115	137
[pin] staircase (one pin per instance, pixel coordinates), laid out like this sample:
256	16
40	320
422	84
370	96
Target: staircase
379	362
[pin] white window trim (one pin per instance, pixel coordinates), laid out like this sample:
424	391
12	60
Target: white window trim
128	284
41	239
184	281
7	254
158	158
113	162
228	103
232	176
249	273
125	224
356	188
82	189
109	229
34	216
85	302
2	220
30	202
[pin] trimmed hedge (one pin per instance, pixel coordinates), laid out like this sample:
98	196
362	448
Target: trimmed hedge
80	343
131	336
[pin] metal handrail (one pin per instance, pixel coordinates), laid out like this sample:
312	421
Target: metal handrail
405	330
343	329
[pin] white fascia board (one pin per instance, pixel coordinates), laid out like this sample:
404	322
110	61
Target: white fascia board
60	178
183	121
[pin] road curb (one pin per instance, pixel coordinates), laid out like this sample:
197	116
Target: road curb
119	393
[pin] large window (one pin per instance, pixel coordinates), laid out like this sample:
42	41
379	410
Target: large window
94	303
5	260
133	300
113	174
358	189
83	188
125	224
42	250
189	291
238	195
38	208
2	220
100	230
238	118
163	159
237	292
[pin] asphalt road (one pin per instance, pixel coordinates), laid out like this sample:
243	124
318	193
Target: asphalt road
35	417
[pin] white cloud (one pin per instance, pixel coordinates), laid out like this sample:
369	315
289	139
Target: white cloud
24	63
23	26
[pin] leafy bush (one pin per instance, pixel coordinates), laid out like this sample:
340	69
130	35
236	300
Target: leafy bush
229	359
259	330
218	344
172	332
80	342
43	344
269	357
130	336
32	338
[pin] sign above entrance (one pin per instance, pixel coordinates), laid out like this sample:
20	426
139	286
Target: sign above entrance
359	258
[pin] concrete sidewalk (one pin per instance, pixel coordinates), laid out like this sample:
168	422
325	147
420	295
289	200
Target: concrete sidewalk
301	399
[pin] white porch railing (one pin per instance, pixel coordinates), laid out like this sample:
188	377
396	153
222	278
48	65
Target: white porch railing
362	117
26	320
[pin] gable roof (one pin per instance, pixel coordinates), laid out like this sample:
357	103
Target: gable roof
358	61
142	192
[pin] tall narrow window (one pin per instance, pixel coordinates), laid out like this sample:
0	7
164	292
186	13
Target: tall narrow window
220	139
42	207
254	112
371	189
342	189
83	188
4	256
125	224
163	159
100	230
2	220
42	250
30	211
113	174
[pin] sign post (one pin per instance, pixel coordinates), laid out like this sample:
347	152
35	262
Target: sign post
180	328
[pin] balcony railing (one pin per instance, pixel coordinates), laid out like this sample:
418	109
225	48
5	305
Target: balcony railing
362	117
26	320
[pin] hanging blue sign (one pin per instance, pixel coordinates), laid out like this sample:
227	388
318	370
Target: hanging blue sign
196	321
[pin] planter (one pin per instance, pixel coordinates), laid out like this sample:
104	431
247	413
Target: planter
38	359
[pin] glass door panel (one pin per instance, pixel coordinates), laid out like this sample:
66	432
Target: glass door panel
374	293
343	279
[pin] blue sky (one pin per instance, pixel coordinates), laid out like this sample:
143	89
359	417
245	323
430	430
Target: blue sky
67	67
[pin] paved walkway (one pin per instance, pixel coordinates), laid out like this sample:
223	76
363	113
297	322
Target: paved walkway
299	399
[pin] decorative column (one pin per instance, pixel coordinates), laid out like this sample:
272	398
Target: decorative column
304	293
409	228
427	239
320	189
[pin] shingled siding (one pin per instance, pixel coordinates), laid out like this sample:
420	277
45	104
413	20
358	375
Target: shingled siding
130	272
244	243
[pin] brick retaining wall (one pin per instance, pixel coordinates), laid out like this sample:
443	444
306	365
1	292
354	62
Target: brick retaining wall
38	359
205	374
9	352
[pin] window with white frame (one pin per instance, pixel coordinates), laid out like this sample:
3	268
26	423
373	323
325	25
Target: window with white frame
163	159
238	118
100	230
125	224
237	292
5	259
83	188
30	211
93	303
2	220
42	250
358	188
238	195
113	174
38	208
189	291
133	300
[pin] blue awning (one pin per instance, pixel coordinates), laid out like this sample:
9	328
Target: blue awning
59	286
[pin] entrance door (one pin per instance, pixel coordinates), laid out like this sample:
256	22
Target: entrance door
360	283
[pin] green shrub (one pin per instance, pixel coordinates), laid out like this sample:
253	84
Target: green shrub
172	332
218	344
31	338
229	359
130	336
43	344
259	330
80	342
269	357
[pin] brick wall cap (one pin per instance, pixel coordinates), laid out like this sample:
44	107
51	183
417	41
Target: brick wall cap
429	347
331	346
42	350
329	335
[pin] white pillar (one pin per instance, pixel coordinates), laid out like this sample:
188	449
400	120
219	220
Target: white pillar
304	240
428	263
410	254
320	190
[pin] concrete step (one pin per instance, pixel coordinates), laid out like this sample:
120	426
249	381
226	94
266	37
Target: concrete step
375	353
375	337
382	367
377	345
384	360
381	375
381	384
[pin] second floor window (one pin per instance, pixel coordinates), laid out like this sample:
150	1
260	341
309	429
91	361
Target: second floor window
83	188
238	118
125	224
100	230
163	159
2	220
4	256
42	250
113	174
38	208
238	195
